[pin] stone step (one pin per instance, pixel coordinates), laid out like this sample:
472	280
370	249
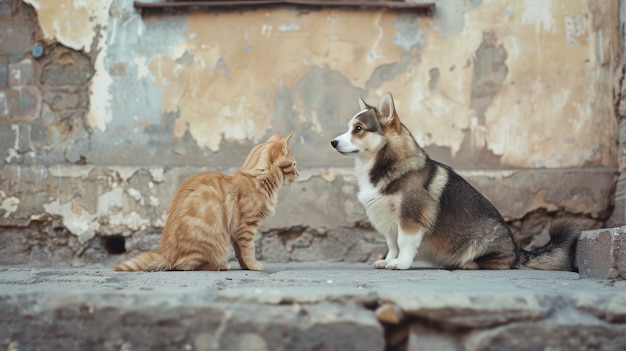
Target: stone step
601	253
308	306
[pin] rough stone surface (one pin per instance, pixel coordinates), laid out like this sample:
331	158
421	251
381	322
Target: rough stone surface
602	253
388	313
105	322
16	39
4	75
66	67
25	103
5	109
306	244
618	217
21	73
322	306
544	335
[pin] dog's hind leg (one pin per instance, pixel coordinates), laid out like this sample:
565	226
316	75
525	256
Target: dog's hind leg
496	260
393	250
408	243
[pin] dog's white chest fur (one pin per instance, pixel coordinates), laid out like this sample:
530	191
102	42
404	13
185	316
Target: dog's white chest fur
381	209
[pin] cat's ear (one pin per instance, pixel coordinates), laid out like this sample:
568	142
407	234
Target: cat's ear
288	137
275	137
285	141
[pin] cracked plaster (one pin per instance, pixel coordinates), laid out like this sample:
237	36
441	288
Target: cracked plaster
78	24
217	72
8	204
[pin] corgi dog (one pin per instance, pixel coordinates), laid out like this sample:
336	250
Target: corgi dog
424	208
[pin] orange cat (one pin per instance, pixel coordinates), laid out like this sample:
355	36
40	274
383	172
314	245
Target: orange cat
212	211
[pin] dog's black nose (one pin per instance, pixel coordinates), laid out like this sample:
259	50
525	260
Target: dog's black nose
334	143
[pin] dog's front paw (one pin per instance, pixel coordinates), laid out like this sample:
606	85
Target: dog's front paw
380	264
398	264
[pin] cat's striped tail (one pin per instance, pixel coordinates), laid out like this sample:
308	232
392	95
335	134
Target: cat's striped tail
147	261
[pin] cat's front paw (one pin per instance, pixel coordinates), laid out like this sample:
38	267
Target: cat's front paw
398	264
380	264
255	266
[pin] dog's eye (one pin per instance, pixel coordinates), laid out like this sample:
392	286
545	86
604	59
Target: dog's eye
358	129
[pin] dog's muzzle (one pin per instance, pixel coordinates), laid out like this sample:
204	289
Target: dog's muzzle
335	144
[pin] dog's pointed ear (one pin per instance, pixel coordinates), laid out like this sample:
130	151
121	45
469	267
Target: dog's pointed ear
363	105
386	109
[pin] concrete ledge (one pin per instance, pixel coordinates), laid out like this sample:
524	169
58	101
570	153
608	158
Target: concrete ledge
305	306
121	199
602	253
52	215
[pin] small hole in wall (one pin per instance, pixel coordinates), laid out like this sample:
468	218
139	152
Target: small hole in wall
114	244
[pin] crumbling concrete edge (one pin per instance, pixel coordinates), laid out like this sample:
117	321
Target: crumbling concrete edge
602	254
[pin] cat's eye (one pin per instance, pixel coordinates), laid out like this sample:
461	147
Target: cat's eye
358	129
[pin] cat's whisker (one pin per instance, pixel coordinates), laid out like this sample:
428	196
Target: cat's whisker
295	193
290	186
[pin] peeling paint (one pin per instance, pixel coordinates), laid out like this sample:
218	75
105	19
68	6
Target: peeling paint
78	25
142	68
157	174
78	222
124	172
112	211
72	23
69	171
9	205
408	33
131	221
493	174
577	30
13	152
538	116
561	106
538	13
154	201
214	106
288	26
100	110
136	195
539	201
217	75
110	200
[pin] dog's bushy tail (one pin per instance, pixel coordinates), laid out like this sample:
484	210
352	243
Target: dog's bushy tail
558	254
147	261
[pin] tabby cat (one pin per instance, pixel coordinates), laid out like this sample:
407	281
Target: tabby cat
212	211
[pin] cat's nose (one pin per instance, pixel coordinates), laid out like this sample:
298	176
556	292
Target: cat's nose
334	143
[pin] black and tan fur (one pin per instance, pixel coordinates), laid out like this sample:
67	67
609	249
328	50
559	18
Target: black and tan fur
424	208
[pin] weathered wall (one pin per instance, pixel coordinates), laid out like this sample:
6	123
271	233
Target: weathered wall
97	131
